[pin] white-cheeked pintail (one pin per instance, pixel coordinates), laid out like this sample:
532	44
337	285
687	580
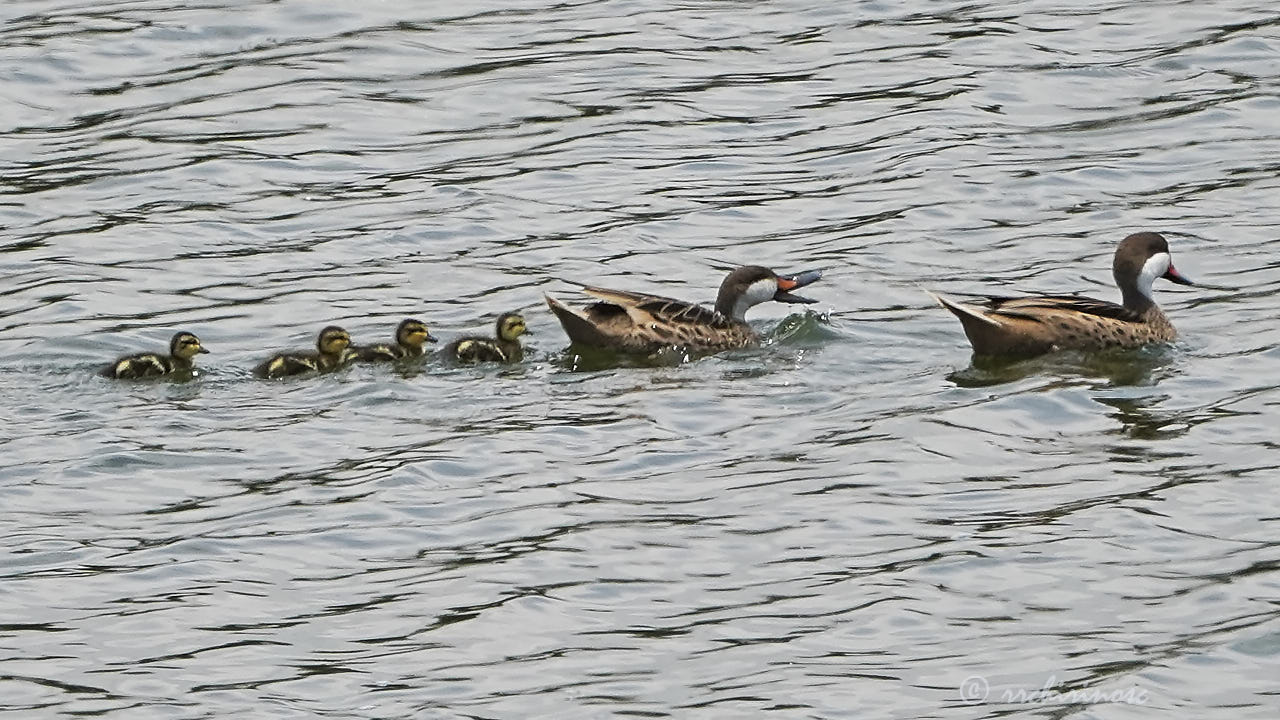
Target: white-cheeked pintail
1035	325
641	323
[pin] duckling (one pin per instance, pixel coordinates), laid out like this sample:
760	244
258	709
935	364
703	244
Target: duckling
182	348
410	335
333	347
504	347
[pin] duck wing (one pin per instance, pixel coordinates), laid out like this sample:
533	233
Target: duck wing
645	309
138	366
1038	308
380	352
475	349
284	365
643	323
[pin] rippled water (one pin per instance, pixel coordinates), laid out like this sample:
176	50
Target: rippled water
851	521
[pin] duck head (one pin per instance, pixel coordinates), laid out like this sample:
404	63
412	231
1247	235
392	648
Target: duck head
510	326
413	333
751	285
185	345
1140	259
333	340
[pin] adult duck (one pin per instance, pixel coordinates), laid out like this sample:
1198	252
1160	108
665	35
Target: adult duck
641	323
1040	324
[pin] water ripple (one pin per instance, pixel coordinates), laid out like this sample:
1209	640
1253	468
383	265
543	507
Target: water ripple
854	515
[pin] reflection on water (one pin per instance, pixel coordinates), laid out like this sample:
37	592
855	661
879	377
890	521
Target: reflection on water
854	515
787	341
1120	367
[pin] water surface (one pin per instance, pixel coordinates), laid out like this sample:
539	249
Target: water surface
849	521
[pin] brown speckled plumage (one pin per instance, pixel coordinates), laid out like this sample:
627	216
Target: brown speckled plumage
1036	325
641	323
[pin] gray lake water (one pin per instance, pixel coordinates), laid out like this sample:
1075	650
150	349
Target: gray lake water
850	521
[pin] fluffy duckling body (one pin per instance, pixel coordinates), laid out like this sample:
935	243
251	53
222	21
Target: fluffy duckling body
410	336
503	347
333	350
182	349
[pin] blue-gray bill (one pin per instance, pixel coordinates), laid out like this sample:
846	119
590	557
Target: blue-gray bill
787	283
1174	276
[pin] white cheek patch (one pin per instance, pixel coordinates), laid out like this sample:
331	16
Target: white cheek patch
757	292
762	291
1154	267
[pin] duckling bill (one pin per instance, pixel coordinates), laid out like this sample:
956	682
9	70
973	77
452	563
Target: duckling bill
183	348
1027	326
411	334
641	323
503	347
333	350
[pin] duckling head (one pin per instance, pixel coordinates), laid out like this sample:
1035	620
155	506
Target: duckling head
511	326
333	340
185	345
413	333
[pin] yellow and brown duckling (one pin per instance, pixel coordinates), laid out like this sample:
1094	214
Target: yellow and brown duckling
182	350
333	350
410	336
503	347
1036	325
640	323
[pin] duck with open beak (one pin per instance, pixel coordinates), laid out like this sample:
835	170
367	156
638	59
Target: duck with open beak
787	283
641	323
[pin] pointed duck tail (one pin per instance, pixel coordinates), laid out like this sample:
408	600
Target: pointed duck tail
967	313
987	335
578	328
